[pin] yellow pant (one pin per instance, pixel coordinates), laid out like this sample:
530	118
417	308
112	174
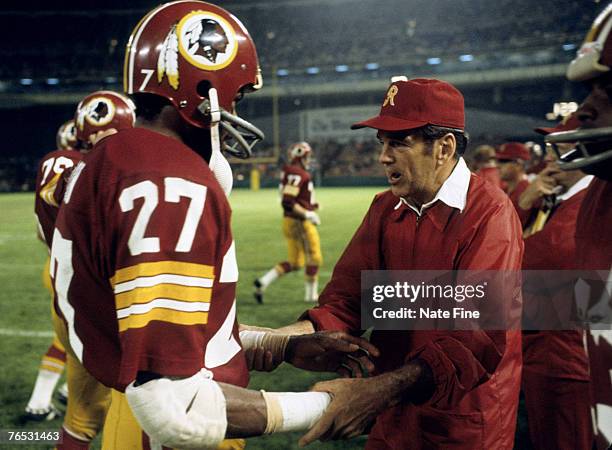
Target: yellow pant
88	400
303	243
122	432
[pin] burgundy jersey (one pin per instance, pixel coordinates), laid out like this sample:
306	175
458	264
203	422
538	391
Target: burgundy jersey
476	373
144	265
557	354
49	188
594	252
296	187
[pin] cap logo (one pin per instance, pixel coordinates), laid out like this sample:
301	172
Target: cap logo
391	93
99	111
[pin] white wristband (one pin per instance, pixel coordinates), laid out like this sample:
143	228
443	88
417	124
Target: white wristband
294	411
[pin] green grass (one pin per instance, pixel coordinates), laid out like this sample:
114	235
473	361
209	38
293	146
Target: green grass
24	303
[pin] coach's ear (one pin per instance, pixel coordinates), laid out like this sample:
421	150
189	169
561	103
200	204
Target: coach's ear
444	149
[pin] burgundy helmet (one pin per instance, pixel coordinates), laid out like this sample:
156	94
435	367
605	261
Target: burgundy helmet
101	111
66	136
202	59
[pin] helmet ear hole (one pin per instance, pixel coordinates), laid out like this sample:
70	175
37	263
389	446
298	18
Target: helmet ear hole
203	87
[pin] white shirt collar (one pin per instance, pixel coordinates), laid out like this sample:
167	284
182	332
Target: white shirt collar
453	191
580	185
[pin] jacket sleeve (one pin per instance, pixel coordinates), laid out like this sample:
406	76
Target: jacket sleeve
340	302
460	361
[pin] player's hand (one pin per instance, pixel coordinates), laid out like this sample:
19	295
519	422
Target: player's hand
355	404
260	359
332	351
313	217
543	184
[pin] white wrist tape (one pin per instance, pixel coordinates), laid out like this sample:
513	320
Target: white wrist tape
294	411
275	343
187	414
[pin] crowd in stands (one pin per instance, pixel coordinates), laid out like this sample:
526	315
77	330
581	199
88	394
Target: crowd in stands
303	34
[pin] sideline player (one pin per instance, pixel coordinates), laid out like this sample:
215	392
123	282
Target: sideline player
300	223
593	155
97	116
143	256
40	406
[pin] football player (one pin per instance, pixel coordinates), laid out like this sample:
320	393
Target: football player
40	406
593	155
300	223
143	257
98	115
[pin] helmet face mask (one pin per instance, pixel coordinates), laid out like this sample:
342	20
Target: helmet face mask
99	113
202	59
593	140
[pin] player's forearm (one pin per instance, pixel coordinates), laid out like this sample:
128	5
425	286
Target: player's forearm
246	412
300	327
299	210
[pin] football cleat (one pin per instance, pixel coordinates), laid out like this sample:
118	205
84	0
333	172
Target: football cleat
258	293
40	414
62	394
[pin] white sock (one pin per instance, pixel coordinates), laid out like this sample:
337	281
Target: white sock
311	290
43	389
268	278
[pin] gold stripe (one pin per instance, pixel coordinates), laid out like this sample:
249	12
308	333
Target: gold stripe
162	267
163	315
170	291
46	193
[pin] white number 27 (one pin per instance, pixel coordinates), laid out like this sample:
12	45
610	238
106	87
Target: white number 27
174	189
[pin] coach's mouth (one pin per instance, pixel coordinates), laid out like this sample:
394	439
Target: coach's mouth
394	177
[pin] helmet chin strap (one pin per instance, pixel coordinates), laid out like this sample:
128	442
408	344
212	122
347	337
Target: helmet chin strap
218	164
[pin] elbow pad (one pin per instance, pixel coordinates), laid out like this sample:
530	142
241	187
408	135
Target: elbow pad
187	413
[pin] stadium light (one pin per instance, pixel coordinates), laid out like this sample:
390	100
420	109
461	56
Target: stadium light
466	58
282	72
26	81
342	68
372	66
312	70
53	81
433	61
569	47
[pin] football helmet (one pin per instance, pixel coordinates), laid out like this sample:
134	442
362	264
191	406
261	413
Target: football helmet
299	151
101	111
202	59
66	136
593	146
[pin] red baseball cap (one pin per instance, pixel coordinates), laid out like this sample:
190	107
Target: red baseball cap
416	103
570	122
512	151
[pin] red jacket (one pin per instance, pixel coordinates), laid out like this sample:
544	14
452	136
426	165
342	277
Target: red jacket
554	353
491	174
476	373
515	196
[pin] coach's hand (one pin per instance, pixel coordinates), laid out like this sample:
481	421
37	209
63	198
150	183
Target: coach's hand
331	351
355	404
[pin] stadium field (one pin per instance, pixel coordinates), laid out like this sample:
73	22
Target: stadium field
25	328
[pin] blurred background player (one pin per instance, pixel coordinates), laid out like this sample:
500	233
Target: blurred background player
512	158
99	115
50	169
593	155
300	223
555	377
483	162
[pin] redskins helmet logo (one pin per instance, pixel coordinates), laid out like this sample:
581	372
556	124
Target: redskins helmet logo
99	111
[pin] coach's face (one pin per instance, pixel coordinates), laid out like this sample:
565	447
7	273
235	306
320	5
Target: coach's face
414	168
